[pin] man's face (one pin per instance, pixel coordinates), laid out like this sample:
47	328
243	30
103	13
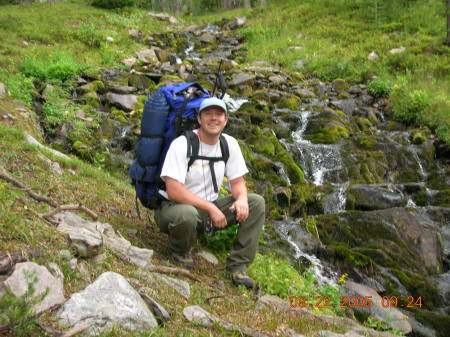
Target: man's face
212	120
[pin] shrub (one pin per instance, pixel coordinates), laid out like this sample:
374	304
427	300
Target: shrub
379	87
58	66
110	4
408	106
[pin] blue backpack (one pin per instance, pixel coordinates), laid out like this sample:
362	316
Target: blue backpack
168	113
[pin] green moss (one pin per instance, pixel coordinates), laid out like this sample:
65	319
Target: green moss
440	322
141	82
266	147
330	134
340	85
363	124
442	198
169	79
119	115
394	126
351	257
418	285
92	99
418	138
291	102
367	141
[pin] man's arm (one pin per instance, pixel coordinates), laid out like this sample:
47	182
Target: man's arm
180	194
239	193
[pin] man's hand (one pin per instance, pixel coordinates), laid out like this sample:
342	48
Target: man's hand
217	217
240	206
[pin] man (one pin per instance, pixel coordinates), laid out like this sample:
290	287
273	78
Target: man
192	200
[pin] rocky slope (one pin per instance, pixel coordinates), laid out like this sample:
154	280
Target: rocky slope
342	182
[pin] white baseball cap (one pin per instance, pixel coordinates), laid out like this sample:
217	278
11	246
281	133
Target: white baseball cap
213	101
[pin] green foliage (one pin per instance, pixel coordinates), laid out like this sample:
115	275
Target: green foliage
17	311
111	4
89	34
379	87
381	325
221	241
59	66
409	105
19	86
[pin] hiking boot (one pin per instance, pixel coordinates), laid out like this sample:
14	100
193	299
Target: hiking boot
183	260
241	278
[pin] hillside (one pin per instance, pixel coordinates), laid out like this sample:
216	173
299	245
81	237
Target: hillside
358	203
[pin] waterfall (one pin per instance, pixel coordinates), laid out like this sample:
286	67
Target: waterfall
335	202
234	104
322	275
319	161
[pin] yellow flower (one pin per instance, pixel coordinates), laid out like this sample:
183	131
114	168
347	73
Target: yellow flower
343	278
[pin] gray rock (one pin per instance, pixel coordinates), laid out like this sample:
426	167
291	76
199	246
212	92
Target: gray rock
305	93
180	286
242	79
164	17
196	314
130	62
3	91
148	56
397	50
53	166
236	23
65	254
443	286
392	316
133	33
209	257
272	302
373	56
73	263
207	38
109	301
277	79
140	256
56	271
123	90
24	273
372	197
87	243
158	310
347	105
30	139
124	102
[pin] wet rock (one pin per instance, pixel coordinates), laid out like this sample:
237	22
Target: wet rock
109	301
347	105
443	284
209	257
148	56
282	196
124	102
372	197
393	317
23	276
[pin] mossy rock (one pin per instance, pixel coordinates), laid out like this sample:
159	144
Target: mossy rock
94	86
442	198
92	99
331	133
340	85
394	126
119	115
440	322
169	79
141	82
93	73
366	141
351	257
363	124
290	102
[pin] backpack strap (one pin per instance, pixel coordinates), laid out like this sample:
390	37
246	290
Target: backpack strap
193	148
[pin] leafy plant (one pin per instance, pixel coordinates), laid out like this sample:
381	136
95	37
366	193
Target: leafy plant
221	241
381	325
59	66
379	87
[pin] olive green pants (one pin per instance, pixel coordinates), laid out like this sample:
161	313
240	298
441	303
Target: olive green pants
184	222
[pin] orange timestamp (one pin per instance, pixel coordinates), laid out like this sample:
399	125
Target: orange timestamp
322	302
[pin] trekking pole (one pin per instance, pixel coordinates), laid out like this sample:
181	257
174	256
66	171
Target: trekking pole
217	79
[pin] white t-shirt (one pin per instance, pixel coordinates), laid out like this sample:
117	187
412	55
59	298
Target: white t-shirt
198	179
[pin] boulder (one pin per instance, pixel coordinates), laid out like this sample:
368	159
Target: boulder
392	316
148	56
87	242
236	23
130	62
208	257
347	105
124	102
372	197
109	301
180	286
242	79
24	274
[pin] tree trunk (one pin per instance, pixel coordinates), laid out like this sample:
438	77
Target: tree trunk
263	3
161	5
247	4
178	7
226	4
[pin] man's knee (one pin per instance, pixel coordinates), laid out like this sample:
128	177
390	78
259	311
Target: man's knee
184	216
256	203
